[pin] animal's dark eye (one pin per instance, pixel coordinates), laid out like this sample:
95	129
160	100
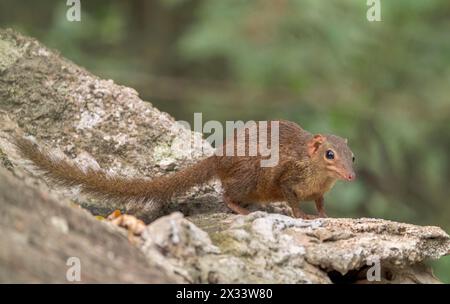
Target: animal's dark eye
353	159
329	154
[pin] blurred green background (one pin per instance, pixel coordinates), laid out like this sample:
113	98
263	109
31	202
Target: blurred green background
384	85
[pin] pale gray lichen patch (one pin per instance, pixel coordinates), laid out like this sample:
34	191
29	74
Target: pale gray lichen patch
8	54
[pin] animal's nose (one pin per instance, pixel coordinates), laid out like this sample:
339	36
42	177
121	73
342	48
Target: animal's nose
351	176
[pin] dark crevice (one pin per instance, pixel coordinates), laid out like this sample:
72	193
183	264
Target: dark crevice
358	276
349	278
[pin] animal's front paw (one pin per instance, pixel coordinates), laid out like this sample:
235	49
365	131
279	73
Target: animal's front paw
305	216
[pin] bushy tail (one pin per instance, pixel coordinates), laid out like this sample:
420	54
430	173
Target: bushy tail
102	185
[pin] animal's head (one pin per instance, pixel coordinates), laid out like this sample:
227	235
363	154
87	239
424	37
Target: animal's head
332	155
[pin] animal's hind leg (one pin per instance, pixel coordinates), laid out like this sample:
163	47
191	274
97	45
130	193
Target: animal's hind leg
234	194
234	206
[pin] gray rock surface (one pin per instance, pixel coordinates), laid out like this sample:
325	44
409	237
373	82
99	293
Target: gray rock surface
274	248
98	123
40	234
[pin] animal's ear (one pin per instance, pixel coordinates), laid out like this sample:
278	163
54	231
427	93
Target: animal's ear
345	140
314	143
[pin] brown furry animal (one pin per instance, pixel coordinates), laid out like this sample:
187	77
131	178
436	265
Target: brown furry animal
308	166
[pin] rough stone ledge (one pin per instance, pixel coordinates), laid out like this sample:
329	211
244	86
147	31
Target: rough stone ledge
274	248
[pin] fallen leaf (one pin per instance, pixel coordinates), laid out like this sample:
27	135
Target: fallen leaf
115	214
129	222
100	218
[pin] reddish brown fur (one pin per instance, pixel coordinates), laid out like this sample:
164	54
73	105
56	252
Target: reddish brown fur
102	185
303	173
